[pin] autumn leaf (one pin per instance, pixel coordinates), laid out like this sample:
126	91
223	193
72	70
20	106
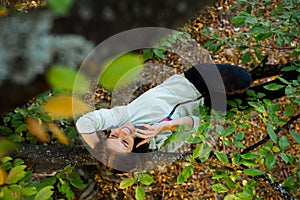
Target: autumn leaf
3	176
65	106
36	129
58	133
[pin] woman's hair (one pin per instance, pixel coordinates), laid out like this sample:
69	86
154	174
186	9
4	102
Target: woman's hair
132	161
122	161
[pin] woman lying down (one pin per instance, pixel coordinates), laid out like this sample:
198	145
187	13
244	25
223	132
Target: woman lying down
151	117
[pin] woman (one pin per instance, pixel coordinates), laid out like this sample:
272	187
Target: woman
163	108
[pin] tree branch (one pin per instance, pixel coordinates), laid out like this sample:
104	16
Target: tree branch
267	137
267	70
48	158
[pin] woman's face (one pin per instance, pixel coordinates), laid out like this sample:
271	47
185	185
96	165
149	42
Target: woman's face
122	139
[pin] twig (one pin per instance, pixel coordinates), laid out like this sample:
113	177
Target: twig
277	186
267	137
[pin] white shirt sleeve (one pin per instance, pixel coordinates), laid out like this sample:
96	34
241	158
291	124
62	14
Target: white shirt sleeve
196	120
103	119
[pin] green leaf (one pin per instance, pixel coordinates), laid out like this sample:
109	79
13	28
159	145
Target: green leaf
291	184
239	136
229	183
16	174
246	57
218	174
236	159
243	47
121	71
221	156
6	147
263	36
296	136
22	127
61	7
249	163
220	130
185	174
62	77
270	161
271	133
275	149
215	47
284	157
273	108
290	90
273	86
8	194
253	172
76	181
231	197
126	182
289	68
219	188
204	154
45	193
27	191
198	150
257	30
284	143
145	179
251	20
238	20
258	106
229	130
280	41
296	100
159	53
178	137
250	155
147	54
5	130
139	193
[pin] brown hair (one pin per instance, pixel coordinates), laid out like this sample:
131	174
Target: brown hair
132	162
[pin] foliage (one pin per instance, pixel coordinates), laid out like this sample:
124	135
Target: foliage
60	7
15	182
31	124
282	24
167	43
137	179
239	180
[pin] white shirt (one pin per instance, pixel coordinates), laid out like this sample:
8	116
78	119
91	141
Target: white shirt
149	108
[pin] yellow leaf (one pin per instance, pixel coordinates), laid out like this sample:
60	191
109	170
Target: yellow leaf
58	133
37	130
65	106
3	176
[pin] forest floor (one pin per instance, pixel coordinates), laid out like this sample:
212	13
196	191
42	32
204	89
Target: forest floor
199	185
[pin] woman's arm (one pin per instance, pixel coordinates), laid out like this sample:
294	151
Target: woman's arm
91	139
153	130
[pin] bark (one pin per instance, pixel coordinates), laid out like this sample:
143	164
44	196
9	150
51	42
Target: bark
49	158
266	70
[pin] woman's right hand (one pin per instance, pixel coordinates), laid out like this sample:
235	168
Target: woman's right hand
149	132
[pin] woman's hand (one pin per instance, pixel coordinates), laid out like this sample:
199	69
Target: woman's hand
150	132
